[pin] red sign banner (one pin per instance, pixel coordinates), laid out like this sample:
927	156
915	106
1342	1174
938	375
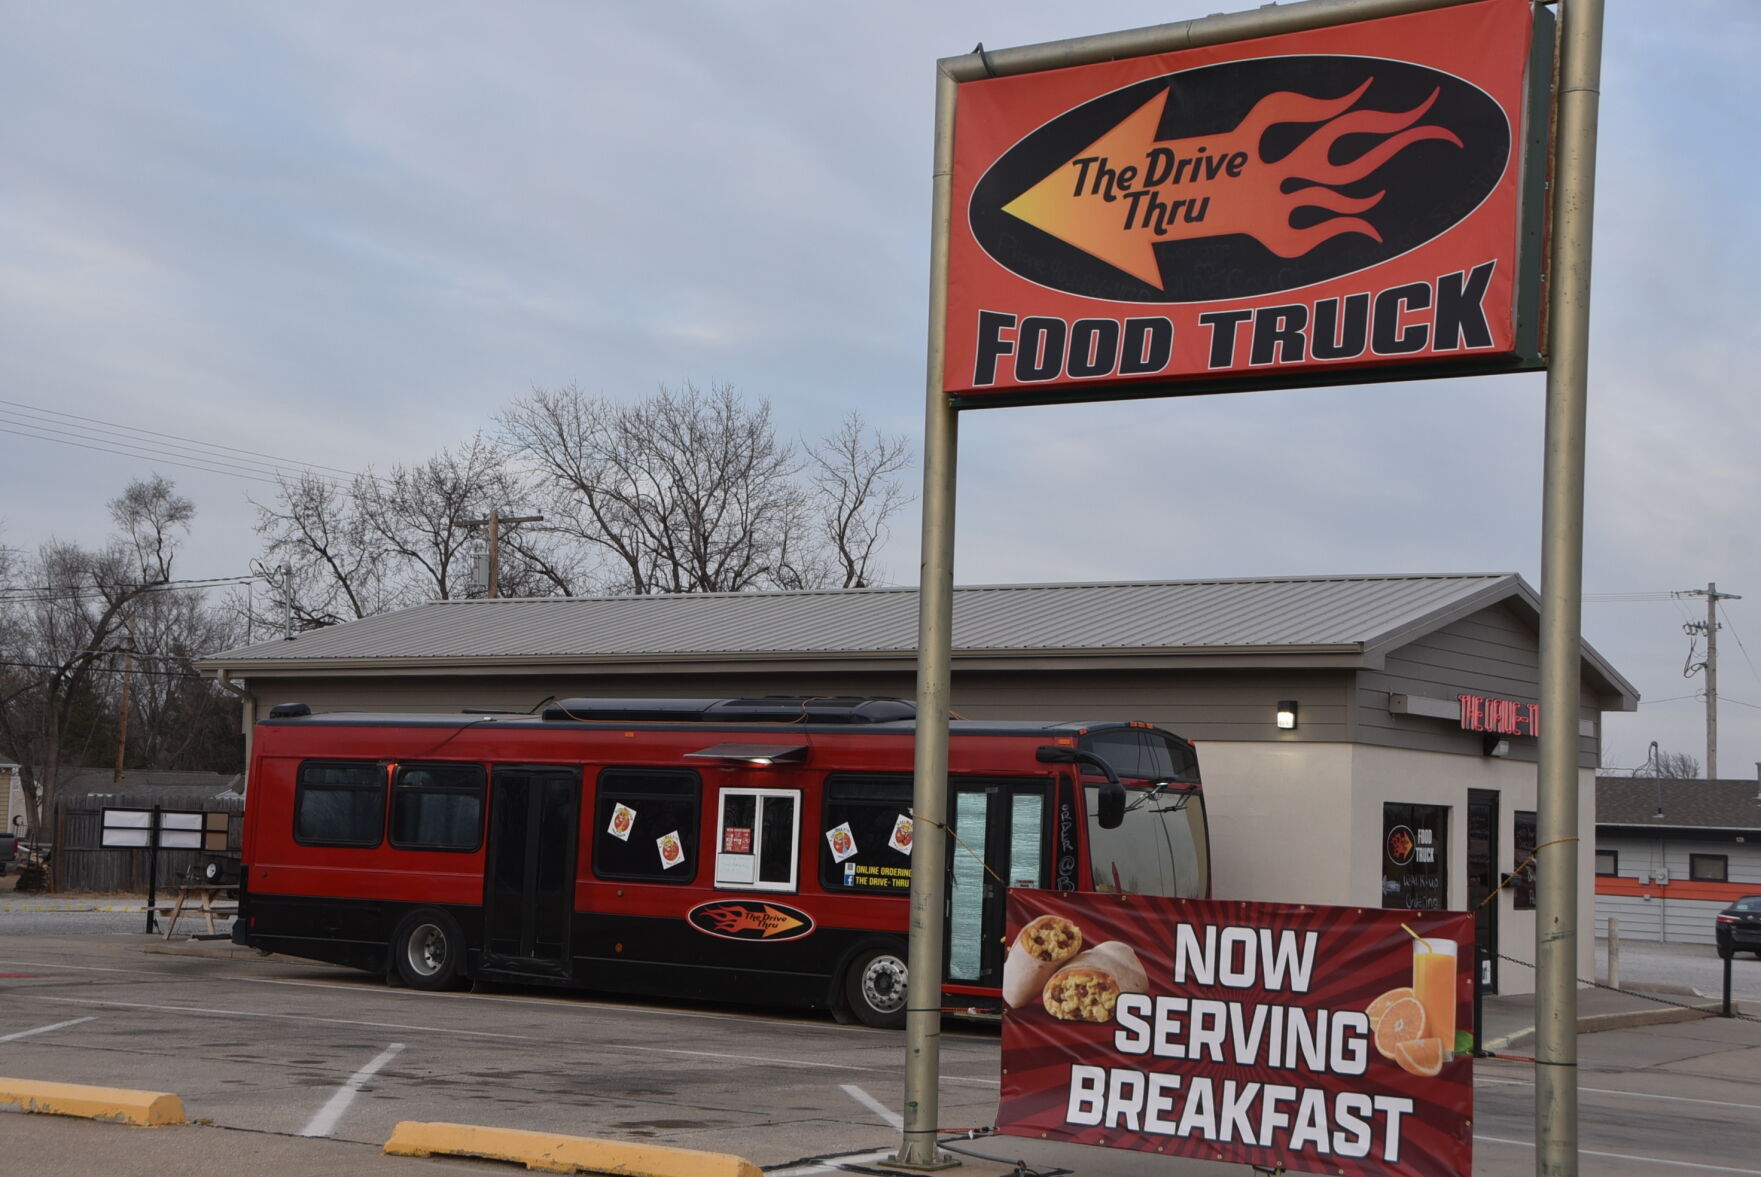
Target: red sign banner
1340	198
1313	1039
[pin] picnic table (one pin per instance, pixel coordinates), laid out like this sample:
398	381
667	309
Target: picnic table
209	899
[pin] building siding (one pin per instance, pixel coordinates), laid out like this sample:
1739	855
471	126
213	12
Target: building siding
1670	912
1494	653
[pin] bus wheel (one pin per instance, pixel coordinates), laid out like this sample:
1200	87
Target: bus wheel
428	950
875	987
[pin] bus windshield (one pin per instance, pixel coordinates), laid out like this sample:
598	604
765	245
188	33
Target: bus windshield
1160	849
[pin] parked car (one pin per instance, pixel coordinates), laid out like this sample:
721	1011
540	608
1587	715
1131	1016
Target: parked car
1739	927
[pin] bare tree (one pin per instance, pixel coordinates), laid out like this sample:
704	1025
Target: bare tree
1670	766
688	491
384	542
176	718
64	628
857	494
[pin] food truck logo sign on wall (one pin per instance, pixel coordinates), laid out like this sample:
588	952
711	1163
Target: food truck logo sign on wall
1341	197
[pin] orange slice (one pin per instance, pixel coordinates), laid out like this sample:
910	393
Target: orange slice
1420	1056
1402	1021
1380	1006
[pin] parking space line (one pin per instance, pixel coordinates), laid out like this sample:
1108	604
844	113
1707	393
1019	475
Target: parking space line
1717	1103
324	1123
832	1166
43	1029
211	1012
888	1116
1626	1156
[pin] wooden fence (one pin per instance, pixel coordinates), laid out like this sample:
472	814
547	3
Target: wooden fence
83	863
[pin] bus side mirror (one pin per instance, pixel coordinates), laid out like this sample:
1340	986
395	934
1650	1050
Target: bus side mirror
1110	809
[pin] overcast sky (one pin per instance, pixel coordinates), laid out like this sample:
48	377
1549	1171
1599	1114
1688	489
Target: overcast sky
348	234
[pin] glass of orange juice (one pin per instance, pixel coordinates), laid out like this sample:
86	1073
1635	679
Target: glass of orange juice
1433	983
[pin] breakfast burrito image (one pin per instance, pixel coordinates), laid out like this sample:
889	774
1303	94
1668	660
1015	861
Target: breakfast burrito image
1086	989
1039	949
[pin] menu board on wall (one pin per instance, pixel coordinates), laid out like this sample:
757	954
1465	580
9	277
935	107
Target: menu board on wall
1415	868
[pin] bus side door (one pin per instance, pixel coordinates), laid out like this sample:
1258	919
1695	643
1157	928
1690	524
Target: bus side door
529	883
999	841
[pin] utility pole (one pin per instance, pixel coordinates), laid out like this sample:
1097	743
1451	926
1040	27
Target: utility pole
287	633
1709	627
494	522
128	666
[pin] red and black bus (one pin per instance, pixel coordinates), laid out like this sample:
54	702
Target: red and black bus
733	849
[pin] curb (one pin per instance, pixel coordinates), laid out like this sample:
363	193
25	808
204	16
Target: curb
562	1154
1659	1015
145	1108
65	906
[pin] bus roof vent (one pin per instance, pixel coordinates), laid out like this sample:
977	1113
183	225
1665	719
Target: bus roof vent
766	709
289	711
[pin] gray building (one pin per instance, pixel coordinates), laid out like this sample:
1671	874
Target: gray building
1671	854
1414	699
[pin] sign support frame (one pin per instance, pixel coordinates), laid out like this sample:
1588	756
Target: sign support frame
1562	543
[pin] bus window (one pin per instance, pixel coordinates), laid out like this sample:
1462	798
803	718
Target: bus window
1159	849
647	825
1144	755
758	839
339	804
437	807
873	811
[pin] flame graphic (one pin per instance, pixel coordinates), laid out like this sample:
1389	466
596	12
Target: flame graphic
1127	190
733	918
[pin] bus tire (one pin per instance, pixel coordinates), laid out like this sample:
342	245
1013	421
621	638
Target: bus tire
428	950
874	985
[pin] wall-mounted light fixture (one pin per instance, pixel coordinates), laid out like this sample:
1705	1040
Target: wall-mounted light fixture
1494	744
1286	714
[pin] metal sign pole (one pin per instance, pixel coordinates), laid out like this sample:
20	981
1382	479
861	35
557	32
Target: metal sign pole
153	872
935	616
935	624
1562	578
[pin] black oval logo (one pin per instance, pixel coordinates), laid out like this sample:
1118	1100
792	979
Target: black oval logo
1241	179
740	919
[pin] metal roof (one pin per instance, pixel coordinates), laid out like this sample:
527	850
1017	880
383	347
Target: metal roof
1358	617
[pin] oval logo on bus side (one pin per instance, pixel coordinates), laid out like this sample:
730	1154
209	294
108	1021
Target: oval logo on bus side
741	919
1241	179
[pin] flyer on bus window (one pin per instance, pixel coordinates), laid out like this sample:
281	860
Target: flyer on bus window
1311	1039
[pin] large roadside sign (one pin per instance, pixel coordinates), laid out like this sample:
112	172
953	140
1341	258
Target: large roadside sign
1284	1036
1330	206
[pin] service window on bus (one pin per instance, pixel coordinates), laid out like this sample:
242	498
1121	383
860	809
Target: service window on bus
866	824
646	822
339	804
437	806
758	839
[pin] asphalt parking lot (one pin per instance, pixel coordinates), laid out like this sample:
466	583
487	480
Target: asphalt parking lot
295	1069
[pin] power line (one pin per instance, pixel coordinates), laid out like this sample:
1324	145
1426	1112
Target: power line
1739	637
99	669
201	448
20	594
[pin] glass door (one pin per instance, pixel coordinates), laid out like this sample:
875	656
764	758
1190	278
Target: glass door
999	842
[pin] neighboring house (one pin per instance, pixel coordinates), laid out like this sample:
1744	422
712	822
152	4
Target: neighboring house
1415	702
1670	854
